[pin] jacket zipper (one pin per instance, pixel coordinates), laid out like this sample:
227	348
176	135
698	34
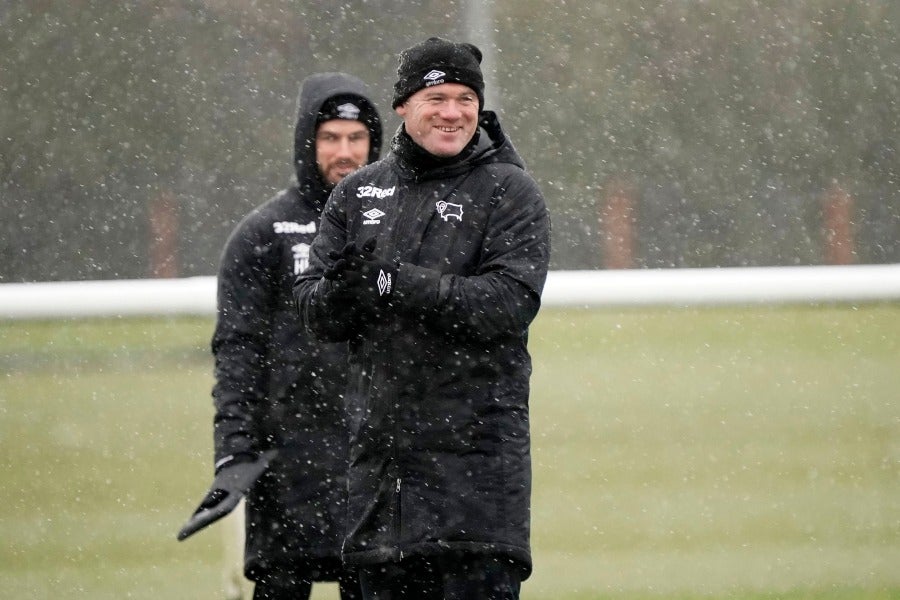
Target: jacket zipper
394	453
398	515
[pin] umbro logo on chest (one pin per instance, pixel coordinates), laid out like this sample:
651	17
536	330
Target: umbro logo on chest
373	216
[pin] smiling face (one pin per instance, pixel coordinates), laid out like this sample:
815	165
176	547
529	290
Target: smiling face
342	146
441	119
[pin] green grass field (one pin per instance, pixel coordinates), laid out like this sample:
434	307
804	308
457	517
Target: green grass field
679	454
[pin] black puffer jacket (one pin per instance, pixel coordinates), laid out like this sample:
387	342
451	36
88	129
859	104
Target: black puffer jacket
276	386
440	456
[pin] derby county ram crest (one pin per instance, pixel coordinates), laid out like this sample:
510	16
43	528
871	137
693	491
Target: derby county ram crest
448	209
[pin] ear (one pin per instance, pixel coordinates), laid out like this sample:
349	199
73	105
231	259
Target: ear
401	110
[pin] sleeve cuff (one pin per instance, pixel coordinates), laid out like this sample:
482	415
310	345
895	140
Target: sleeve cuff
417	287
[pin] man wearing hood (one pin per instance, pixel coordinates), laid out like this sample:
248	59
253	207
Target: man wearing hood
431	263
280	426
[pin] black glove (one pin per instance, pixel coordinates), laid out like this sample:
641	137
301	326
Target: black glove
362	272
339	297
339	288
232	481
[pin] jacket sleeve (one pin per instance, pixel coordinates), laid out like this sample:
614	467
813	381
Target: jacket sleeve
325	322
504	294
243	325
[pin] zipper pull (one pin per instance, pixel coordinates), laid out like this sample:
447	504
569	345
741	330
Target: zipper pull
398	485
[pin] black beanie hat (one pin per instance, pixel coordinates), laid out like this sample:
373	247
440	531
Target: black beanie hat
351	107
437	61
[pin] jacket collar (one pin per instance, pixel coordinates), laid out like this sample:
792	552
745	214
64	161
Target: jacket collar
489	144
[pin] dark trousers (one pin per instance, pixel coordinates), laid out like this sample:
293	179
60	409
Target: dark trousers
455	577
299	586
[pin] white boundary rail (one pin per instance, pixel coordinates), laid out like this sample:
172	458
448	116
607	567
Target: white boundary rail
635	287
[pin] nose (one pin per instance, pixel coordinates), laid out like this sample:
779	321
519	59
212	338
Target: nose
343	148
450	110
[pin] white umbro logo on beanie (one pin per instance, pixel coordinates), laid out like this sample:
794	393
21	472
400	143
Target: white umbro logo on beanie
348	111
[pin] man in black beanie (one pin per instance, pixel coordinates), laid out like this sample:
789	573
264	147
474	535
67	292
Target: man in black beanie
431	263
280	427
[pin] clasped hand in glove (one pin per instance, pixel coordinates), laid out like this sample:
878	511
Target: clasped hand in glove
361	273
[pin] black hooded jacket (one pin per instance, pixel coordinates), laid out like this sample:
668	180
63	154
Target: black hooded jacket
440	449
276	386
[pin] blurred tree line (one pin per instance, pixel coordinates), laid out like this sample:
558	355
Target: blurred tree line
728	121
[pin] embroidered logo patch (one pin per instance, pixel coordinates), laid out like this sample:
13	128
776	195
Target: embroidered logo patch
434	77
348	111
293	227
384	283
448	209
301	257
372	191
373	216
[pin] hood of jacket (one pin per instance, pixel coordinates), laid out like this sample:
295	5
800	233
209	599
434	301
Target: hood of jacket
314	92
